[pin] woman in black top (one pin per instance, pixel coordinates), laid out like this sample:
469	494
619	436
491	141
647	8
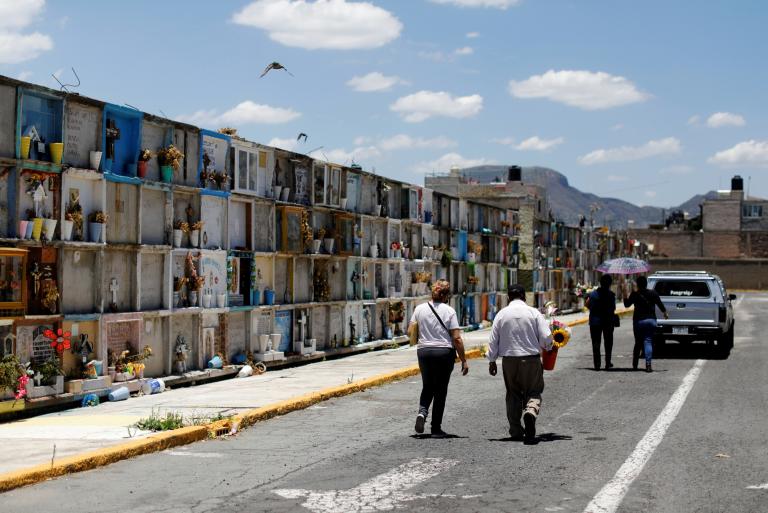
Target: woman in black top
602	308
644	319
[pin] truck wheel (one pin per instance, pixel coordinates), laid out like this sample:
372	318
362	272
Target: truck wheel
725	343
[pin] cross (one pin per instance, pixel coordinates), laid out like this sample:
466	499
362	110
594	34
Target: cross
302	326
113	287
38	378
112	135
37	197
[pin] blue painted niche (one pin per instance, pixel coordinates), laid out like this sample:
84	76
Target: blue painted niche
43	112
121	153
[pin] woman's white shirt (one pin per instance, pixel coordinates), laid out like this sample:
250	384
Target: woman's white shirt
431	333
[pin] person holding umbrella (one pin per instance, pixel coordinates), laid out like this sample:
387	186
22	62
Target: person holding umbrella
644	319
602	307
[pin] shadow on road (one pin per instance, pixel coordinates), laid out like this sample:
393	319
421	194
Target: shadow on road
427	436
690	351
543	437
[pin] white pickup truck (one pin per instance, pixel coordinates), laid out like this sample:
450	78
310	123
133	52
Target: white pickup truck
698	306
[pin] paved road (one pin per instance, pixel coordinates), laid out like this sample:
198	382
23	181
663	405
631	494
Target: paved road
689	437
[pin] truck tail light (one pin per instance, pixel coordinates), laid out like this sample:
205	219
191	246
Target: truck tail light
723	314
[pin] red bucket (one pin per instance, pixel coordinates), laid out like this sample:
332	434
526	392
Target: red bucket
548	359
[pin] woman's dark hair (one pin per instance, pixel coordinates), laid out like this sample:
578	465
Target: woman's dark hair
606	281
642	282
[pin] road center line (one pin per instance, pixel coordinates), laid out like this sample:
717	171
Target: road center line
609	498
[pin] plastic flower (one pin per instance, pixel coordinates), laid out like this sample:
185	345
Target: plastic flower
60	339
21	390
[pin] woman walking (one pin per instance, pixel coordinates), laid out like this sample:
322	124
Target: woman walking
602	309
439	341
644	319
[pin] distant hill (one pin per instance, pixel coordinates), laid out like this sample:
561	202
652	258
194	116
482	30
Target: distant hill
568	203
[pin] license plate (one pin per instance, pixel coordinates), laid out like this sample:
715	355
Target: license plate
679	330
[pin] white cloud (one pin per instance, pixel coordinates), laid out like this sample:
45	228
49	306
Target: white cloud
362	140
374	81
679	169
535	143
473	35
650	194
577	88
15	46
694	120
423	105
447	161
505	141
289	144
498	4
245	113
323	24
24	75
406	142
721	119
617	178
668	146
750	153
342	156
465	50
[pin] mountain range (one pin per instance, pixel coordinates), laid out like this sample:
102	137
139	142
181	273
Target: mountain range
569	203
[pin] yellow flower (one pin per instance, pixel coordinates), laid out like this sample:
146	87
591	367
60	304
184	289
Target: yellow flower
560	338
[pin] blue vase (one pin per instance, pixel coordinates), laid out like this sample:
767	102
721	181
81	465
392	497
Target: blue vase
269	297
255	297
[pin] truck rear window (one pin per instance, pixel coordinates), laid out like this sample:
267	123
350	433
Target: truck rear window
682	288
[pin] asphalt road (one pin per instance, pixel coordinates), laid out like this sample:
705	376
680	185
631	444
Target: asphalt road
690	436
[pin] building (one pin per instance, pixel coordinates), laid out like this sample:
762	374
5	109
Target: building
136	246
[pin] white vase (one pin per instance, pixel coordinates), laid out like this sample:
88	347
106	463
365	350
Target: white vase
406	252
328	244
377	210
194	238
286	192
207	298
374	251
277	189
343	203
316	246
66	229
177	234
221	300
263	343
274	338
95	159
49	228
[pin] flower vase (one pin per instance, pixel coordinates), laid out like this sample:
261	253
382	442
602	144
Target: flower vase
207	299
94	158
328	245
37	227
255	297
343	203
548	358
285	194
176	299
192	298
374	249
166	172
269	297
57	150
277	189
30	226
406	252
49	228
23	229
177	234
66	229
221	300
94	230
316	246
263	343
141	168
377	210
398	253
274	340
194	238
111	372
26	144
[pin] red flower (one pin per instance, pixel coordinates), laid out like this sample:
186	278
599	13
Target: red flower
59	339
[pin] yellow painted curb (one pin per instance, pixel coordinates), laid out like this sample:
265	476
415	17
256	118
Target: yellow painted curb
188	435
102	457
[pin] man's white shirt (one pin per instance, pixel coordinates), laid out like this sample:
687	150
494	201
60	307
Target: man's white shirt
519	330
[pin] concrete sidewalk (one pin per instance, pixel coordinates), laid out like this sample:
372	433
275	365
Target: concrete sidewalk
33	441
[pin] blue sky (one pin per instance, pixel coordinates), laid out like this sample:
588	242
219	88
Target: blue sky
649	102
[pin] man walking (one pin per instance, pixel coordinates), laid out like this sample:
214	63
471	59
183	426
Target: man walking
518	335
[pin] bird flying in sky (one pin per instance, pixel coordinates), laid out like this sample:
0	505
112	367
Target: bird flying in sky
275	65
302	135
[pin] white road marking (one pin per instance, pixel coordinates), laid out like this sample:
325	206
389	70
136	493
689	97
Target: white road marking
384	492
763	486
609	498
195	454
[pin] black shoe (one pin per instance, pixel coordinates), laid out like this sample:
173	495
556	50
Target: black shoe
530	427
419	423
634	363
439	433
608	366
648	367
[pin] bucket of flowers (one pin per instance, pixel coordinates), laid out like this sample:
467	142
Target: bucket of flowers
561	335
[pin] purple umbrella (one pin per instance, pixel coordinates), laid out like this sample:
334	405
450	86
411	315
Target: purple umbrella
624	266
